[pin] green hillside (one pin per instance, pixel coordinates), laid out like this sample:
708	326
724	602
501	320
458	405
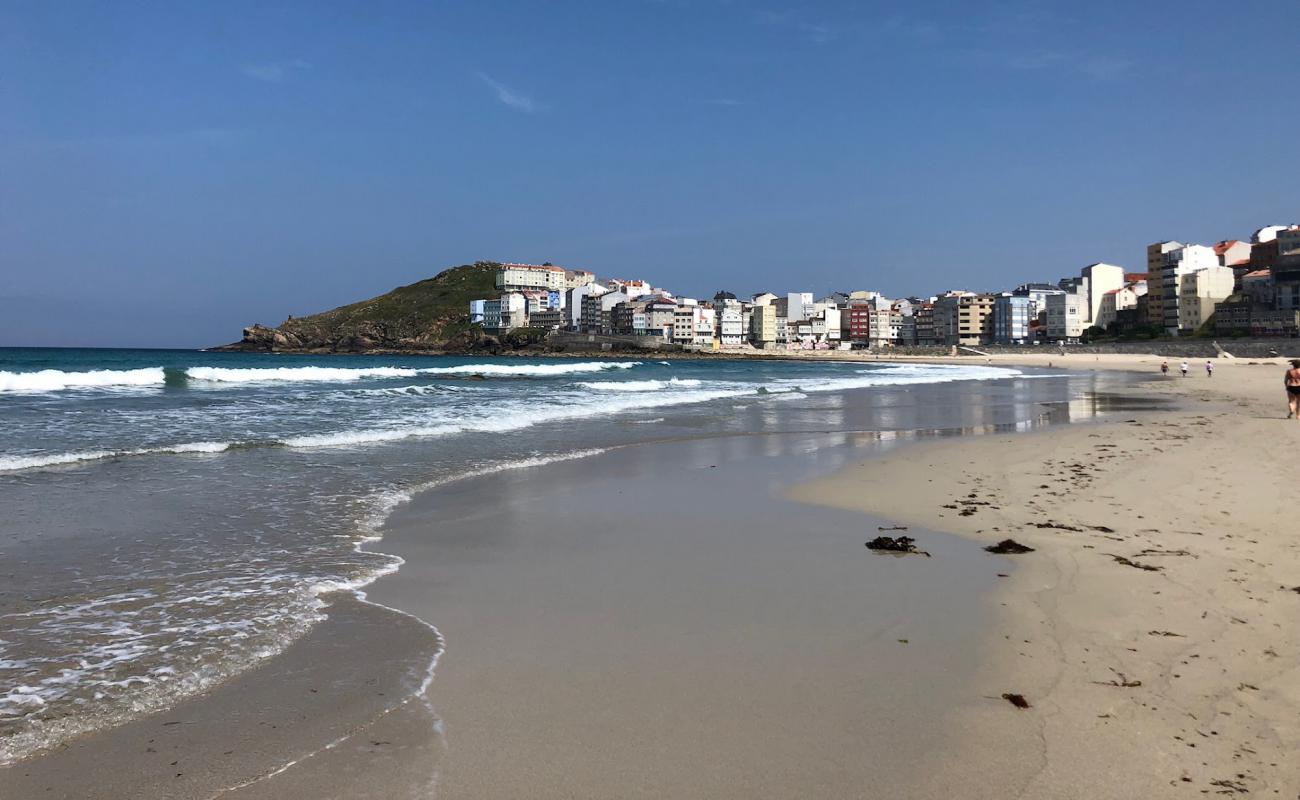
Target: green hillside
425	315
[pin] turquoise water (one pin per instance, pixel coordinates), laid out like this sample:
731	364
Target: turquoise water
173	517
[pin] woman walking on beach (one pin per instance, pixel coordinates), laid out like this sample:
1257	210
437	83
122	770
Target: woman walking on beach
1164	367
1183	367
1292	383
1209	369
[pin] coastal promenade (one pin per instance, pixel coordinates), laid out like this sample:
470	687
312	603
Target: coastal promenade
1153	627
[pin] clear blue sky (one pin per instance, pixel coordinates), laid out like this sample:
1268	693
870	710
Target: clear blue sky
172	171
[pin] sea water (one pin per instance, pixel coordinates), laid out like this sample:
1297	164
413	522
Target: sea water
170	518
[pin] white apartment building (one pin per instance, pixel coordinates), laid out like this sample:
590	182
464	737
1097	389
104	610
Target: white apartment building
534	277
731	324
506	313
1199	292
826	327
693	325
1100	279
1066	316
1178	263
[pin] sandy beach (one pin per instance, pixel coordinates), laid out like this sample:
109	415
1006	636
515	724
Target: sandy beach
695	615
1152	629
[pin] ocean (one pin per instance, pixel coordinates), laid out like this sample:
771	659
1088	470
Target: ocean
172	518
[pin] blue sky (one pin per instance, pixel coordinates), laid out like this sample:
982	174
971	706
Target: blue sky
172	171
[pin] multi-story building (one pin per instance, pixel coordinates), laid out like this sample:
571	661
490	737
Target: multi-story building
1257	287
597	311
1117	300
1155	279
573	278
1011	316
1286	282
693	324
1037	294
975	319
1066	316
524	277
799	305
1178	263
1199	292
476	312
762	326
924	315
659	313
1234	253
549	318
858	314
1098	279
906	324
731	328
575	301
880	330
945	316
1238	316
1288	241
506	313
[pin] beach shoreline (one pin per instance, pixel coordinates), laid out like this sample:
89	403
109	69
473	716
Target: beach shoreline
966	703
1151	629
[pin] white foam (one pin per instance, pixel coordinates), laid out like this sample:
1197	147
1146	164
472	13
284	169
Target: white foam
898	375
15	463
517	415
55	380
638	386
299	374
530	370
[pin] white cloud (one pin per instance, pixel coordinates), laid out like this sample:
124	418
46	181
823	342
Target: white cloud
509	97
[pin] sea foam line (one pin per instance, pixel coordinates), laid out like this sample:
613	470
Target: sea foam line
55	380
15	463
348	374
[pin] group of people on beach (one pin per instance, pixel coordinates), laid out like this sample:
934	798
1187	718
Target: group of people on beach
1184	368
1291	380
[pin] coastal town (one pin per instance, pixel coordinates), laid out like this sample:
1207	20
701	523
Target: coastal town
1232	288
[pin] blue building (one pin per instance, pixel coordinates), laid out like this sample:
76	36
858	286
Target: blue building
1011	317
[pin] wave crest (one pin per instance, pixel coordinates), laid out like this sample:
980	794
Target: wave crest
55	380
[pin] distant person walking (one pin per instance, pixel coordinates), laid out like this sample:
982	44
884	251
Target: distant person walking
1164	367
1209	369
1292	382
1184	368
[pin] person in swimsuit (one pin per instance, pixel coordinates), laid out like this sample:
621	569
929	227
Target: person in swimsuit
1164	367
1292	383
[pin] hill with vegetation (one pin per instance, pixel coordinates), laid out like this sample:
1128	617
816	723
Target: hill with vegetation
430	315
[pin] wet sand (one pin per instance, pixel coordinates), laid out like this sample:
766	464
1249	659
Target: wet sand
338	705
657	622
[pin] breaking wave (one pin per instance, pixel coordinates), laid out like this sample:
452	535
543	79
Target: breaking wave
55	380
638	386
348	374
33	461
